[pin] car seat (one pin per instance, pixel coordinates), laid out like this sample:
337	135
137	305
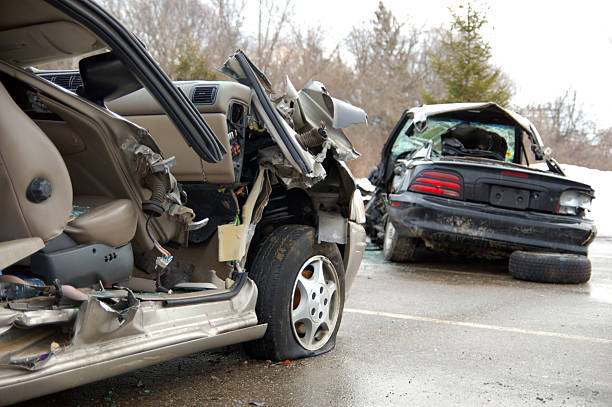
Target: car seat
82	247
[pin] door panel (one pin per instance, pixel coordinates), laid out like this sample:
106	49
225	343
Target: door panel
189	166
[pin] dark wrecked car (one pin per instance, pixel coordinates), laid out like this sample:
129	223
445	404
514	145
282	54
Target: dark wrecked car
456	178
140	225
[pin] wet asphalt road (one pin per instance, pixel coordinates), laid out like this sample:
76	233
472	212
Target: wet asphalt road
443	332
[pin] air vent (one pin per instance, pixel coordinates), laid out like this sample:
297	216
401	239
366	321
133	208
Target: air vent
75	82
63	81
204	95
69	81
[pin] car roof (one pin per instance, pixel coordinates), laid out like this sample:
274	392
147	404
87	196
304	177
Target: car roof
421	113
34	32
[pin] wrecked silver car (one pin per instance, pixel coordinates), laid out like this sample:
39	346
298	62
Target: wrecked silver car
145	220
457	178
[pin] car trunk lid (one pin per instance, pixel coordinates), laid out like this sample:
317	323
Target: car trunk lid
504	184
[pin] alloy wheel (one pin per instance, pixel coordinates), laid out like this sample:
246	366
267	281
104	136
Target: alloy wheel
315	303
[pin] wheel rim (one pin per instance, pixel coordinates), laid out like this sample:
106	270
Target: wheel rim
315	303
389	235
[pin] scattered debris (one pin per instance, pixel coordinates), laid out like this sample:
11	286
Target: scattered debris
283	363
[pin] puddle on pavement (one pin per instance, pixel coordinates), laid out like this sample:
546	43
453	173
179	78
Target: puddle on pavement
373	261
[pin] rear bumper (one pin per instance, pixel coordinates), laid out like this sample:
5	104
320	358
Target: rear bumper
465	226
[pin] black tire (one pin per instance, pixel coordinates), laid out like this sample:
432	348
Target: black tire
275	270
550	267
398	248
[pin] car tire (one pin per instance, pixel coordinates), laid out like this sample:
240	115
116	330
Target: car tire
550	267
398	248
301	294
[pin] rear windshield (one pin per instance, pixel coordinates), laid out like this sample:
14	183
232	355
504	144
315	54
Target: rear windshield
439	128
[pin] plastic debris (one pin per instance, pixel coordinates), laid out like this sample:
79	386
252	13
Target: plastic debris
15	291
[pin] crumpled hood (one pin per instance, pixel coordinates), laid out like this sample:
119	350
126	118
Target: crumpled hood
317	106
292	113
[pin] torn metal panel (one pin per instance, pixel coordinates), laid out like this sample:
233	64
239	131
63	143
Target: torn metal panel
287	172
102	347
7	318
99	321
232	242
90	368
45	317
295	112
242	69
234	239
332	228
317	106
28	348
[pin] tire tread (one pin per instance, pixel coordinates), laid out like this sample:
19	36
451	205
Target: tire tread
403	249
268	273
556	268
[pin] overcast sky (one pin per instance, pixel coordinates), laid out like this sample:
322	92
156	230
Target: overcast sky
545	46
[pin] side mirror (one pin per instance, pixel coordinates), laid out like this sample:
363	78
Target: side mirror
105	77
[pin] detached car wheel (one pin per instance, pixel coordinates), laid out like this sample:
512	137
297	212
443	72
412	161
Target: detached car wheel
398	248
550	267
301	294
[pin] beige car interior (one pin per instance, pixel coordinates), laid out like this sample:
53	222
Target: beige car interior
76	153
40	199
28	154
74	150
35	32
75	147
139	107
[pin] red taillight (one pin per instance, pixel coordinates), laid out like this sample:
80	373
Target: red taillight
438	183
435	190
442	175
515	174
396	204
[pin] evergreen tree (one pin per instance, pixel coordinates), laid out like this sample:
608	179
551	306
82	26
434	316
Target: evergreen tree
463	65
192	63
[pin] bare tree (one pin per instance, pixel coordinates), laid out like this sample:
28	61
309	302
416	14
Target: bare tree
272	22
390	62
573	138
173	30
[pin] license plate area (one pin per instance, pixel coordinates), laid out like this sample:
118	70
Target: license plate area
508	197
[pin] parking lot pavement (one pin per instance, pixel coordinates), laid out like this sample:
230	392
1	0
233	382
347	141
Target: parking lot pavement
442	332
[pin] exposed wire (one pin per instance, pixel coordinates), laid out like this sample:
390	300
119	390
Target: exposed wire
158	246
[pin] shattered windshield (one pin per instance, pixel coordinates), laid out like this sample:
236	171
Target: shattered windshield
451	135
